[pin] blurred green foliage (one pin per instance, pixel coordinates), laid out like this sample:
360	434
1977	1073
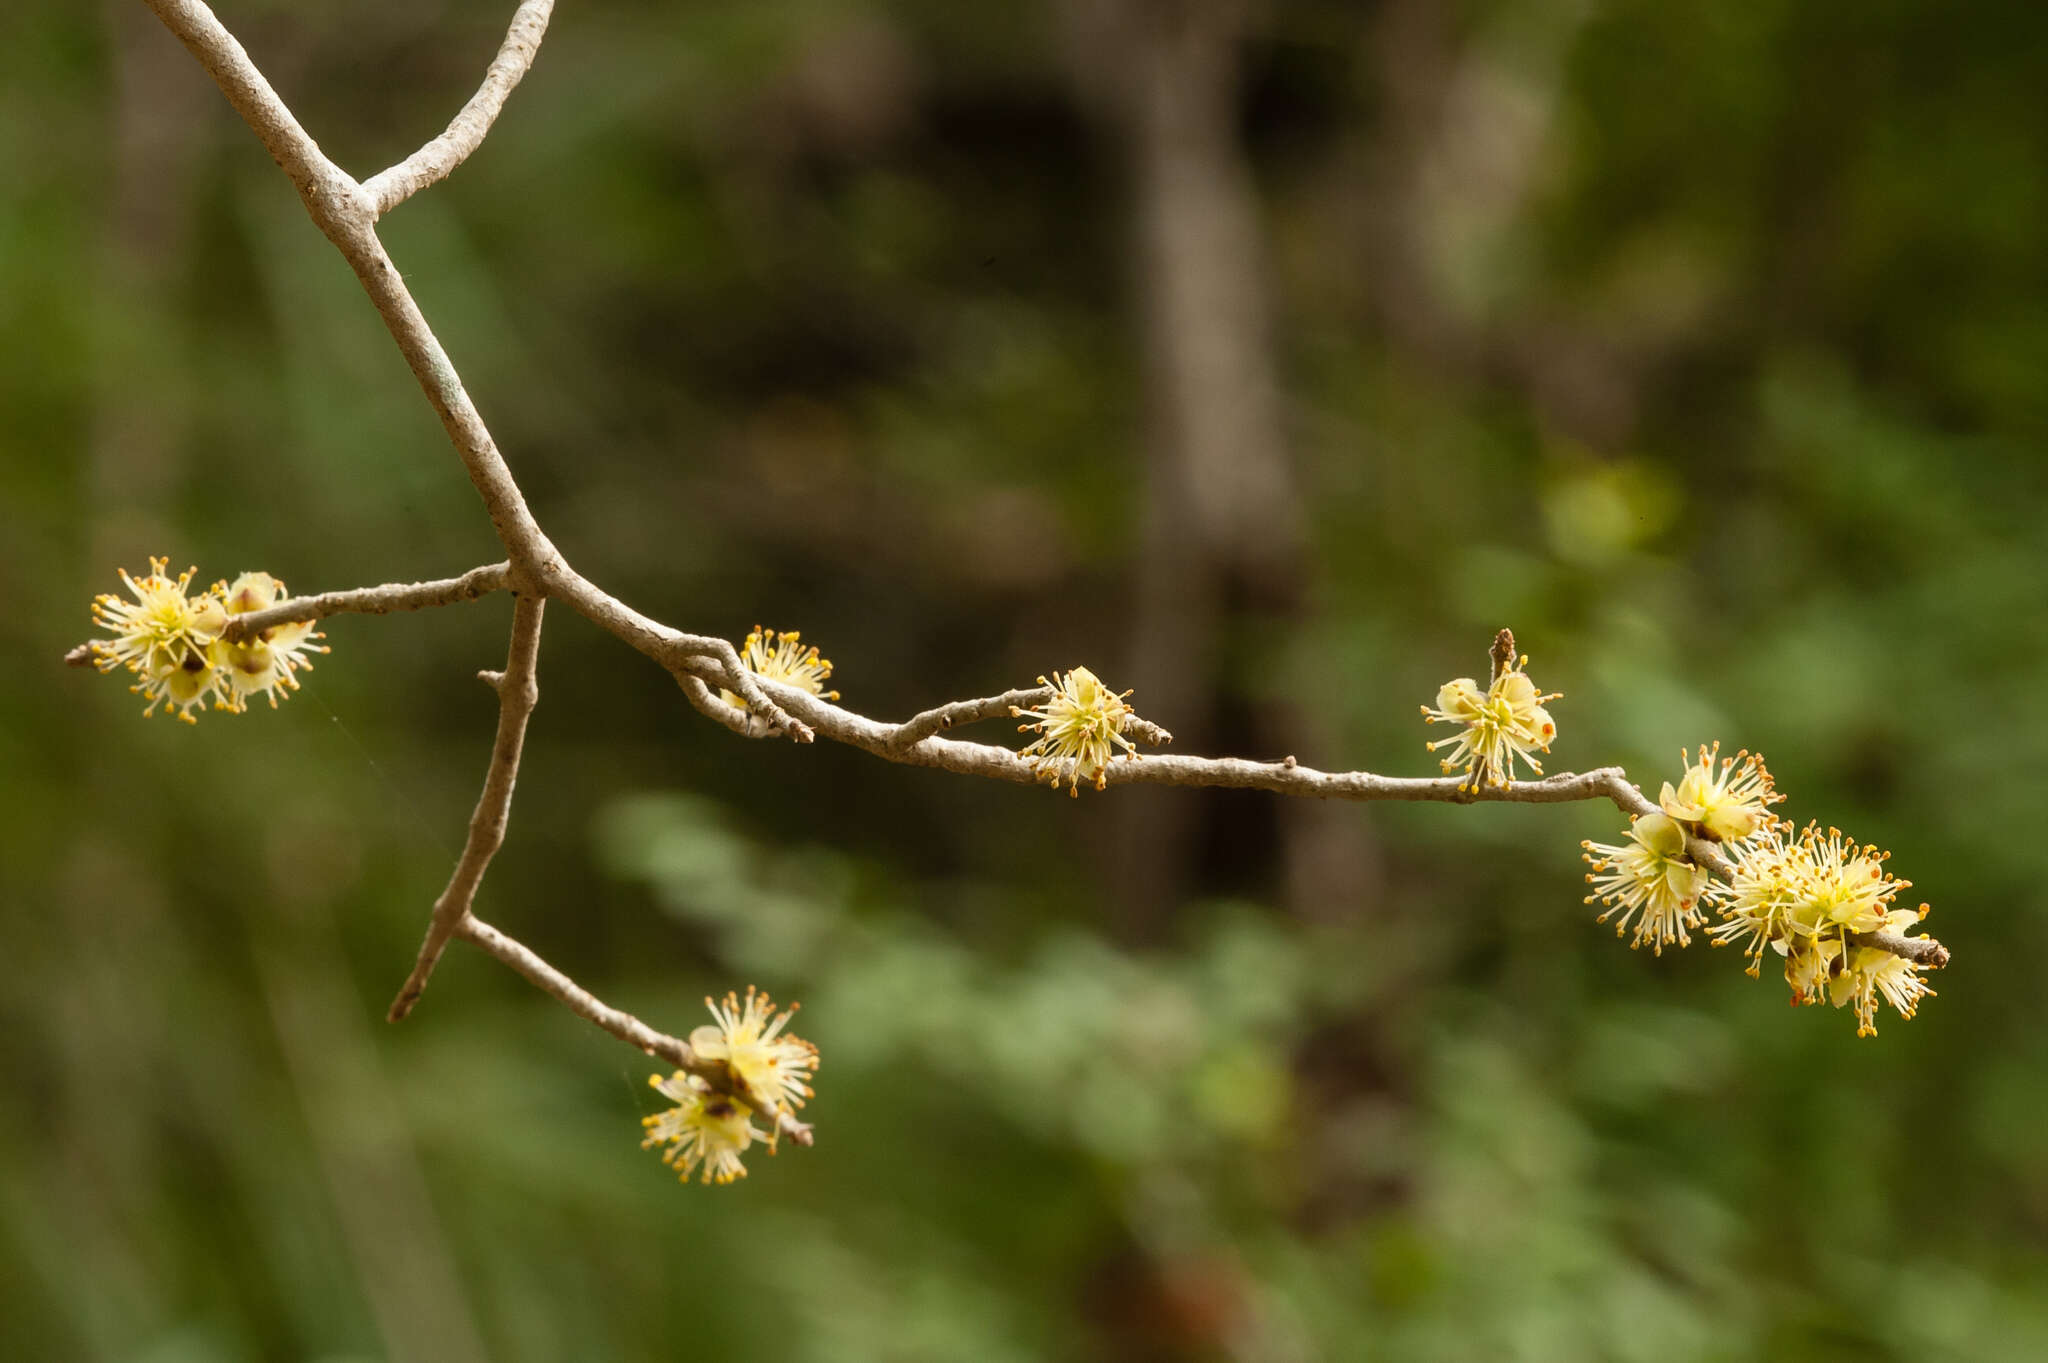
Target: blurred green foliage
1726	395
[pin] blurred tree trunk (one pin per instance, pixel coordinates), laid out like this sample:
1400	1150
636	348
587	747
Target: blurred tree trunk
1222	570
1442	179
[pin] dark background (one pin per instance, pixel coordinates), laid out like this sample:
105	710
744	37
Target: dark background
1264	360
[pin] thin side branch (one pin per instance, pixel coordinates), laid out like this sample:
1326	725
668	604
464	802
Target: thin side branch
1150	734
392	596
438	159
622	1024
712	706
940	718
518	692
580	1001
1283	778
384	600
919	727
1925	950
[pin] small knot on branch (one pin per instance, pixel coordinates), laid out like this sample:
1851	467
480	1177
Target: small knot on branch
792	728
1149	733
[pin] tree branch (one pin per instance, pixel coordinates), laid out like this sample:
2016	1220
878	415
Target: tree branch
347	213
518	692
346	216
713	706
919	727
438	159
1285	777
392	596
384	600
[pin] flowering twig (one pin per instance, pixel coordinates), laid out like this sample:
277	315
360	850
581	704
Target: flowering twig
518	692
1281	778
437	160
384	600
1631	801
622	1024
983	759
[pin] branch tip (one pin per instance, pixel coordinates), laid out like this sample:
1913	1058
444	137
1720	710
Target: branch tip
518	693
437	160
1502	654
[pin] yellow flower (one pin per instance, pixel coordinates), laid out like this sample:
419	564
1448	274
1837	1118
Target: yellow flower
783	658
704	1127
265	663
1756	907
749	1039
1506	721
1809	964
1843	884
155	631
1648	875
1728	804
164	637
1079	730
1872	972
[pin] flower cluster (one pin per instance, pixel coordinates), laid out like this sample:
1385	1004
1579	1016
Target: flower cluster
711	1128
1806	896
1652	878
1079	730
172	640
783	657
1504	722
